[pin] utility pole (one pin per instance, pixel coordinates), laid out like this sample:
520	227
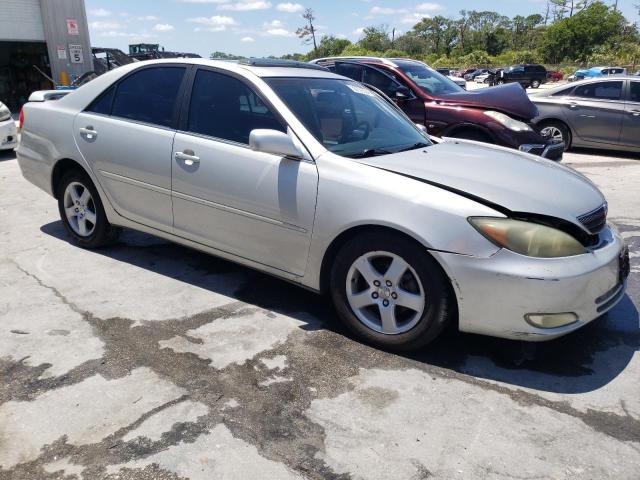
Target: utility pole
393	37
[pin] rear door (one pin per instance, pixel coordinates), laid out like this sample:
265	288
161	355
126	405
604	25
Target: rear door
631	124
126	136
595	111
254	205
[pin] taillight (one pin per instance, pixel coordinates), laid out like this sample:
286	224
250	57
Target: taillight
21	117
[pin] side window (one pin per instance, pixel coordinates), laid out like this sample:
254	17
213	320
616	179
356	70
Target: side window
224	107
563	92
354	72
149	95
381	81
102	104
600	91
634	92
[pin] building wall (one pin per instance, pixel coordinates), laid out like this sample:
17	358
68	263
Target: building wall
21	20
60	37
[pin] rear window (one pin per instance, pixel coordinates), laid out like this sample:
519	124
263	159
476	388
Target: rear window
600	91
149	95
563	92
634	92
102	104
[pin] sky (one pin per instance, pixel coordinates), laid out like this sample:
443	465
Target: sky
267	27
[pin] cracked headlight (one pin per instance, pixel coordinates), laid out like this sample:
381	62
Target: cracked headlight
5	114
507	121
527	238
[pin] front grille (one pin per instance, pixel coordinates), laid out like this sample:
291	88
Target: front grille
595	220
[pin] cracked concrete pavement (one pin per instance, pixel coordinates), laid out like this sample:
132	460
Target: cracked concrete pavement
148	360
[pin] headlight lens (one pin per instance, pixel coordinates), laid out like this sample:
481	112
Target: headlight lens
507	121
526	238
5	114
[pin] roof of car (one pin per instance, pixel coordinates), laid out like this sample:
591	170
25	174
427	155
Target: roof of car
392	62
568	86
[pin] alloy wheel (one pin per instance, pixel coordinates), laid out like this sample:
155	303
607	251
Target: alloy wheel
80	209
552	132
385	292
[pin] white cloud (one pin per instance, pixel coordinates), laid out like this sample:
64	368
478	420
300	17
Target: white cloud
385	10
163	27
100	12
414	17
358	31
247	39
150	18
129	35
290	7
279	32
273	24
216	23
98	25
202	1
429	7
245	6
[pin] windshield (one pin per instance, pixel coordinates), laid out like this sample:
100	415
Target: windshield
347	118
429	80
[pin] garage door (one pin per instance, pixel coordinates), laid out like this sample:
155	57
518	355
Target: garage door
21	20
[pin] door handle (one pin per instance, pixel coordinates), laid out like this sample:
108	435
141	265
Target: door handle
573	105
188	157
88	132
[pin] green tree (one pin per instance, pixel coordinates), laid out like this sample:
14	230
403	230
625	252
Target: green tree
375	39
576	37
329	46
308	31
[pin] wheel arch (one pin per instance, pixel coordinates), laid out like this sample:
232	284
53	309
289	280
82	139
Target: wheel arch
60	168
469	127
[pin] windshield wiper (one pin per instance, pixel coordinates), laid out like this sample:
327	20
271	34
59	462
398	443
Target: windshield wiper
414	146
371	152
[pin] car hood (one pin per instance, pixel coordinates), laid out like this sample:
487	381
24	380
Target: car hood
498	177
509	98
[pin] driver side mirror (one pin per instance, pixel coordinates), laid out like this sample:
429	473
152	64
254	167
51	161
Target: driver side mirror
402	93
274	142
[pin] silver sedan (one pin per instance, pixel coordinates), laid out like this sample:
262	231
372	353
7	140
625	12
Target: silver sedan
599	113
314	178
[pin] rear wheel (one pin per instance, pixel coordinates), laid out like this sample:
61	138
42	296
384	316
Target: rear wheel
82	212
389	291
500	82
535	84
557	131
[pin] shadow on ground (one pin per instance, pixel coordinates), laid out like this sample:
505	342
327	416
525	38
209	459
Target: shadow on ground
7	155
580	362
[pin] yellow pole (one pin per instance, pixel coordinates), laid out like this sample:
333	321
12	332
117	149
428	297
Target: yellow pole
64	79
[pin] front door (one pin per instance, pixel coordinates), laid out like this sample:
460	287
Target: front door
254	205
126	136
631	123
595	111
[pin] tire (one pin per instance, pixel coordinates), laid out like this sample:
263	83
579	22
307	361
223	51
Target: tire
535	84
77	194
413	327
500	82
557	129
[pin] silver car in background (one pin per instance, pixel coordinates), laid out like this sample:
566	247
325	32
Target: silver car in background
598	113
317	179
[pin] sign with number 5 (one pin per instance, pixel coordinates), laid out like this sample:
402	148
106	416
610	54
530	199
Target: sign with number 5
75	53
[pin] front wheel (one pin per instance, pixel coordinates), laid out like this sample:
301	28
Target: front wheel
557	131
82	212
389	291
500	82
535	84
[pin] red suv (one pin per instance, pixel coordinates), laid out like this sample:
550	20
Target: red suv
500	115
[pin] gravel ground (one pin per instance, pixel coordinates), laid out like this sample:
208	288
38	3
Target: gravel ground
147	360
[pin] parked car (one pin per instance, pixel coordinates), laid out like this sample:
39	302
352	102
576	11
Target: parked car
598	113
482	78
554	75
498	115
469	77
444	71
529	75
319	180
461	82
596	72
8	132
464	73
